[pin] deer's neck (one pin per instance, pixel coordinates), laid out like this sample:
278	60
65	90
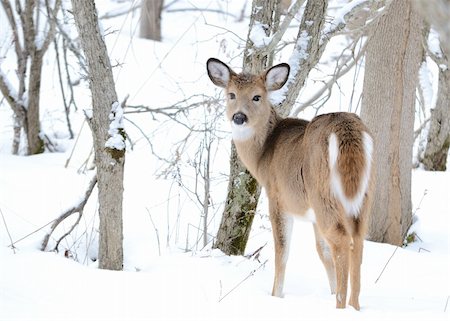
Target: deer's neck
251	150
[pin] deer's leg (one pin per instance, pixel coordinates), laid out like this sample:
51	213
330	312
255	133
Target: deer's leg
358	226
324	251
339	241
355	270
281	229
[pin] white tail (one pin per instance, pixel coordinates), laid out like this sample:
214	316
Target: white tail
324	165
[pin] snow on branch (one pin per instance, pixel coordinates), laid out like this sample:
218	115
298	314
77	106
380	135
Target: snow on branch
258	35
116	131
342	15
285	24
7	89
9	92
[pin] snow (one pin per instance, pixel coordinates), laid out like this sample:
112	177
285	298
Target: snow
434	44
116	139
426	83
258	35
340	15
299	54
410	283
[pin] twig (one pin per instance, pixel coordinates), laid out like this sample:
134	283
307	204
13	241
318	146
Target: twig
396	248
421	127
75	144
76	209
29	234
80	214
245	279
156	231
425	192
446	303
7	230
340	71
256	253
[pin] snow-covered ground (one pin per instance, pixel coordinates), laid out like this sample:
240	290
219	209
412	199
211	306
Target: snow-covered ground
410	283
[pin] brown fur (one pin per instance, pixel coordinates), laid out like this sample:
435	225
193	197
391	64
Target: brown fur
290	159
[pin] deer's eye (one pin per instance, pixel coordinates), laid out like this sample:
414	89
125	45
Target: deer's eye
256	98
232	96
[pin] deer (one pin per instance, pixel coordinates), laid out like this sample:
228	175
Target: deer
320	170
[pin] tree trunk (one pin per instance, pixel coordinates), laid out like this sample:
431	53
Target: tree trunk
150	27
109	161
240	208
391	74
438	141
33	123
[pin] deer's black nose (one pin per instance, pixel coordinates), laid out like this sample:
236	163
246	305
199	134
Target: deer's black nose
239	118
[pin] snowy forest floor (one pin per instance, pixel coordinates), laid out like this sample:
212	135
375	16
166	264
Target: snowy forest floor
413	284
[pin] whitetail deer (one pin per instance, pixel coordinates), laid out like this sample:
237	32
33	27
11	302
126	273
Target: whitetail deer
324	165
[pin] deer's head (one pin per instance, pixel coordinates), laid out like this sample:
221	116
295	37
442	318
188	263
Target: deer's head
248	105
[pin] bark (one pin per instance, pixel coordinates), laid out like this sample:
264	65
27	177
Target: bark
150	24
438	141
240	207
33	123
109	162
391	74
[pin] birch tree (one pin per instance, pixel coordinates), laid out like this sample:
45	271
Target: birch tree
108	135
391	76
22	88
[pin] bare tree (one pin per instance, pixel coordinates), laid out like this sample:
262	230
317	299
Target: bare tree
150	24
108	134
391	76
30	41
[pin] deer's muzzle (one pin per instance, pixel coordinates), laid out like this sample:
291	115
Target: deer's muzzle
239	118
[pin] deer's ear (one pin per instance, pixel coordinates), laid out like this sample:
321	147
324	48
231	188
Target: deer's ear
277	76
218	72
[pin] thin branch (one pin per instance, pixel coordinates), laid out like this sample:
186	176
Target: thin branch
51	19
12	22
340	71
7	231
245	279
421	127
384	268
156	231
75	209
31	233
